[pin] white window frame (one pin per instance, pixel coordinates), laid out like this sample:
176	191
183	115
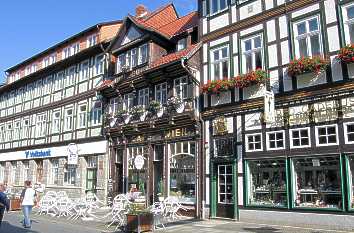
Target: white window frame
134	57
276	139
9	132
41	125
99	64
143	97
82	116
346	132
307	35
58	81
128	101
247	142
26	128
218	7
113	105
2	171
182	44
291	137
96	113
54	172
325	126
91	40
75	48
56	119
121	58
13	168
2	133
181	88
71	175
219	62
47	85
85	70
68	119
17	130
347	22
66	52
70	76
160	92
25	170
142	59
252	52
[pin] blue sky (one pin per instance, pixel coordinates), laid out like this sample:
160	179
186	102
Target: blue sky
28	27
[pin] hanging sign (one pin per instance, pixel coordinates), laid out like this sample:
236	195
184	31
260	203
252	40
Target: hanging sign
269	107
139	162
73	155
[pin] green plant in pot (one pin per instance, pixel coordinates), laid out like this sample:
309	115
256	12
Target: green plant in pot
137	111
121	115
139	219
154	107
174	103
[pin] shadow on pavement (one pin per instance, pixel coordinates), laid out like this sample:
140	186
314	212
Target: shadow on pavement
6	227
261	229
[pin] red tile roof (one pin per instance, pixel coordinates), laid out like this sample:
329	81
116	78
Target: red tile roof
181	25
161	17
172	57
105	83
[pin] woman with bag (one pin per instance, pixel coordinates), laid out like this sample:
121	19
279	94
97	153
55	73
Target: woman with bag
4	202
28	196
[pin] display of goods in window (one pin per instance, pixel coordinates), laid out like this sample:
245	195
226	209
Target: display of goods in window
304	65
258	76
346	54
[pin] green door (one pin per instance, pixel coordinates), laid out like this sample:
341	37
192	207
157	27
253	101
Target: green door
224	191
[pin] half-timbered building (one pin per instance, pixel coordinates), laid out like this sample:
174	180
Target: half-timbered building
50	114
301	160
152	107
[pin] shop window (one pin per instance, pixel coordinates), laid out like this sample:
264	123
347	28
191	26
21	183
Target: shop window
349	133
252	53
299	138
182	171
137	177
70	175
225	195
266	184
25	171
348	18
54	171
39	175
317	182
254	142
275	140
159	153
326	135
350	185
161	93
91	177
224	147
220	63
307	37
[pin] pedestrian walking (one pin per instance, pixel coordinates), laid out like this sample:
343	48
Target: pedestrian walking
28	197
4	202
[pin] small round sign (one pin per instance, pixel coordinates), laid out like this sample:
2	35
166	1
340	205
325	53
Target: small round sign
139	162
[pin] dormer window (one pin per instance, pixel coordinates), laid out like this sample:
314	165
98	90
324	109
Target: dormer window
182	44
132	58
91	40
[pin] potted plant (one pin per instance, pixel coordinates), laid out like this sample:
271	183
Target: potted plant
346	54
139	220
175	104
122	116
217	86
155	108
137	111
258	76
305	65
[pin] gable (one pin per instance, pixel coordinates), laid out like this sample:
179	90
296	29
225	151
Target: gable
132	34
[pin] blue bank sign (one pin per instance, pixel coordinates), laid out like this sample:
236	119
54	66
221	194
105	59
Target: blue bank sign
38	154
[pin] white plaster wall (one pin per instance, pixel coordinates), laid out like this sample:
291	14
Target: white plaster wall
333	38
205	53
330	11
239	128
236	67
305	10
351	70
269	4
336	69
205	26
253	91
250	9
219	41
310	79
252	121
251	30
207	146
219	22
234	14
272	56
206	74
283	27
230	124
279	2
285	56
271	30
235	42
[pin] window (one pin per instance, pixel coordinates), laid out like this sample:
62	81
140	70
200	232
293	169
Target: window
349	133
70	175
82	116
307	38
181	44
224	147
225	184
25	171
137	178
9	132
120	63
25	129
91	175
58	81
29	92
70	77
41	125
68	122
99	65
220	63
254	142
326	135
134	54
47	85
28	70
161	93
128	101
12	175
266	182
317	182
66	52
348	18
143	54
2	172
54	171
49	60
92	40
143	97
17	129
56	122
182	88
38	89
75	48
217	5
2	133
84	71
252	53
113	105
97	113
275	140
299	138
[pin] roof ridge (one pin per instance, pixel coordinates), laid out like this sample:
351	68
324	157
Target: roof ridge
158	10
193	12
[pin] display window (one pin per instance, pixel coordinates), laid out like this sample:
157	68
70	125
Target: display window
137	172
266	183
350	183
317	182
182	171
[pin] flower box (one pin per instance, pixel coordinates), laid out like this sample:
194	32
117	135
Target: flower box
175	104
136	112
140	222
346	54
305	65
155	108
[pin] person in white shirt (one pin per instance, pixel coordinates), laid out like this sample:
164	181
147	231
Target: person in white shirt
28	197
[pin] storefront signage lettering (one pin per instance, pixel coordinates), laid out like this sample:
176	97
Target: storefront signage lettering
175	133
38	154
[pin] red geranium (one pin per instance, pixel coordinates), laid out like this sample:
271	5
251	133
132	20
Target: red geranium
346	54
303	65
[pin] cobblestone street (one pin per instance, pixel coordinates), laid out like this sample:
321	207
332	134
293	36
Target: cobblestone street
46	224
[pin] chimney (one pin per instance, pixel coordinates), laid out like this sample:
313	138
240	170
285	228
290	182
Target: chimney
140	11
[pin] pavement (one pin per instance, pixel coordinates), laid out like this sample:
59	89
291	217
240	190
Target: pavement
48	224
